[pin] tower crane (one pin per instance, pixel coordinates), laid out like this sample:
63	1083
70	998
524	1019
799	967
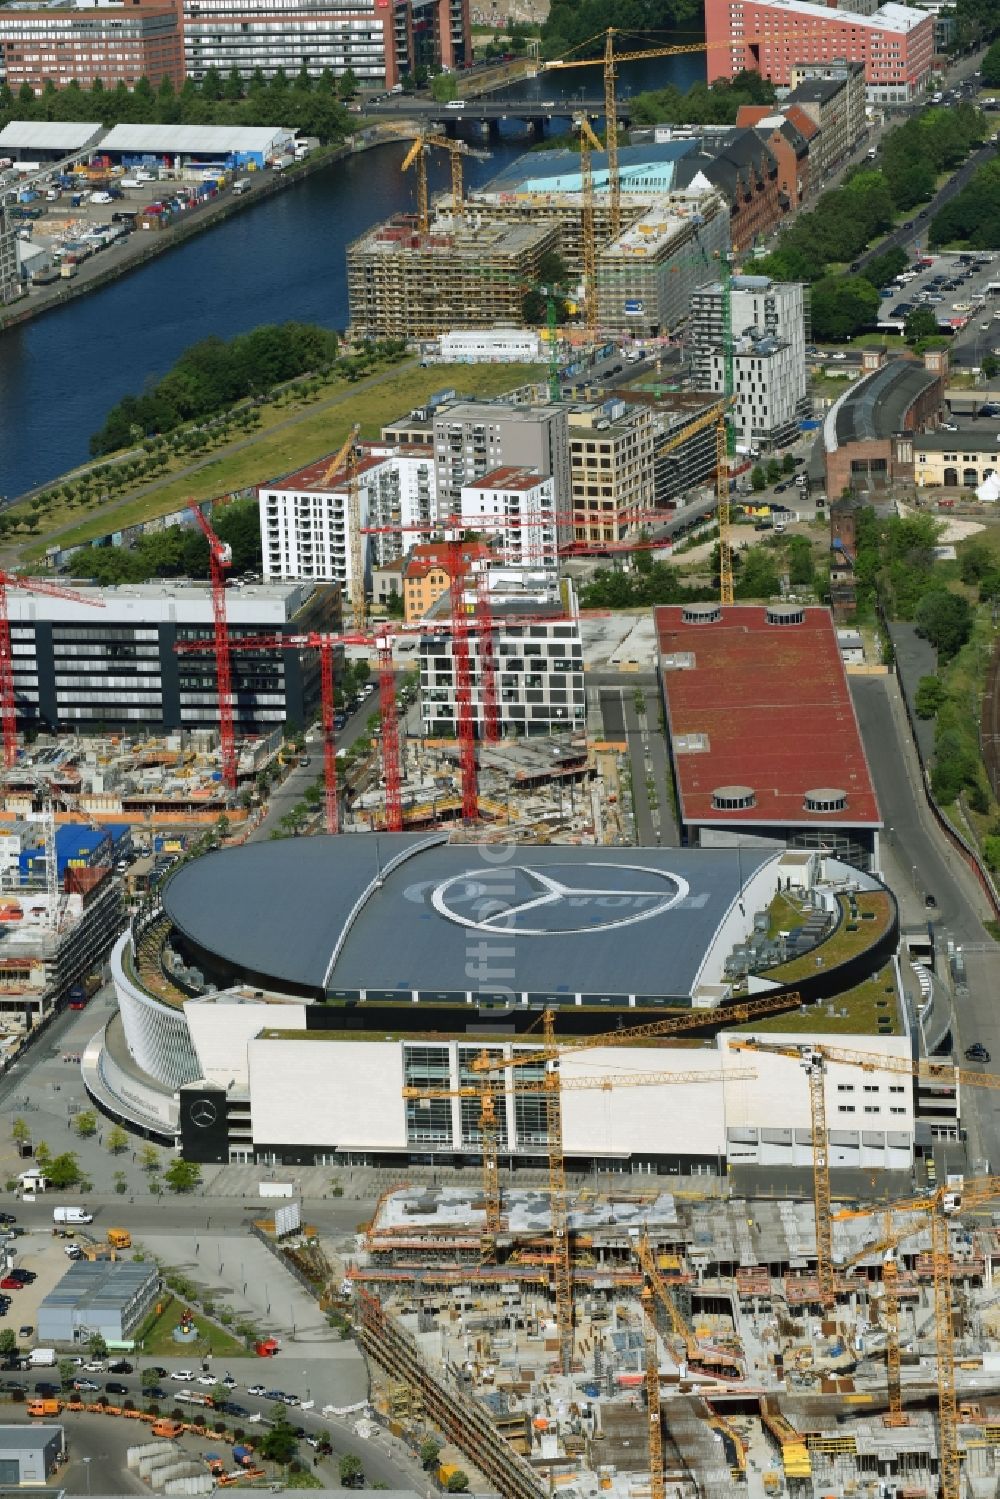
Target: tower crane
693	1352
8	694
417	154
220	560
588	142
488	1096
326	645
609	61
345	462
548	1056
815	1059
889	1311
943	1204
657	1481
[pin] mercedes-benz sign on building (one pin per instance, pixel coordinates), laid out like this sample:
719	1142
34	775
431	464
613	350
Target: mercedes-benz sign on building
283	996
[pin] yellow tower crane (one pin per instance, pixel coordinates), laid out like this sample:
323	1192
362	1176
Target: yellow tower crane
588	142
657	1480
346	462
548	1056
693	1352
488	1097
815	1060
945	1203
887	1247
609	61
418	154
715	417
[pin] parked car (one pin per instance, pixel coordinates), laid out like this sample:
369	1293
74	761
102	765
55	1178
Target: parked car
27	1331
24	1276
7	1218
115	1387
207	1379
10	1284
183	1376
121	1367
257	1390
85	1384
976	1052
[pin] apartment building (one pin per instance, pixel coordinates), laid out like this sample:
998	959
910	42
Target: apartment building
515	510
380	41
539	674
304	516
115	665
646	275
113	43
833	96
894	45
10	277
428	573
475	438
611	453
769	355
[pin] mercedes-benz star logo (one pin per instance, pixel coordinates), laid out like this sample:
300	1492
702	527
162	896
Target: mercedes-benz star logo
562	906
203	1113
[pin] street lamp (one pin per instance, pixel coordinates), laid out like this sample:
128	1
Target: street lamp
86	1468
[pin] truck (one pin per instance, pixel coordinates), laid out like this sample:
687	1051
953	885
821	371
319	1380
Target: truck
241	185
43	1358
165	1428
44	1407
119	1238
71	1215
281	163
243	1456
193	1397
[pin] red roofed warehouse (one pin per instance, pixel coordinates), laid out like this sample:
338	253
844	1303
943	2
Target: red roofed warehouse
763	736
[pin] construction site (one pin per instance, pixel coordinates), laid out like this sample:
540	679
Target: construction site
702	1355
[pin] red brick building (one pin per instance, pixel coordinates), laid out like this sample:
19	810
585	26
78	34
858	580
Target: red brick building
895	44
115	43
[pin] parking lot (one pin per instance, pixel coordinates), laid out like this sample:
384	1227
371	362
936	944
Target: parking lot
38	1251
961	289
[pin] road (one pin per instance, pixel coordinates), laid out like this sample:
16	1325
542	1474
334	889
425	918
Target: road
920	862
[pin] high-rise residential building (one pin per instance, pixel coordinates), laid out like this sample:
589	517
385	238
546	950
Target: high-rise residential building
514	510
769	355
611	453
304	516
379	41
10	279
895	44
474	438
114	43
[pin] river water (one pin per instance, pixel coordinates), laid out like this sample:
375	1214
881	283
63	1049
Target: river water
282	259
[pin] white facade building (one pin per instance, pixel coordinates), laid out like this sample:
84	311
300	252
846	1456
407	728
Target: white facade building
769	355
515	509
303	517
539	674
491	346
10	279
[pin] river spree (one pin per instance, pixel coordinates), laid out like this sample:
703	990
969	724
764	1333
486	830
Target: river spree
281	259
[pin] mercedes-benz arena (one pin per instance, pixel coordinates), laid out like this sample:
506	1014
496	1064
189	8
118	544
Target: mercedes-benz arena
279	1000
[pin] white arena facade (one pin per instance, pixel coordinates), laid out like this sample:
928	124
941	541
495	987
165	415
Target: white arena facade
277	1000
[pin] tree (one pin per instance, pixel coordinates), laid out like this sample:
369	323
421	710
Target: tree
42	1153
429	1451
347	85
929	697
67	1371
945	619
64	1170
458	1482
444	86
351	1471
85	1124
991	66
20	1131
800	562
788	464
920	323
279	1444
96	1346
149	1157
773	471
843	306
182	1176
8	1341
758	479
552	269
149	1379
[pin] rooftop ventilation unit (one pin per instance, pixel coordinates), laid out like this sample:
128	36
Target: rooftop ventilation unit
701	614
785	614
826	799
733	798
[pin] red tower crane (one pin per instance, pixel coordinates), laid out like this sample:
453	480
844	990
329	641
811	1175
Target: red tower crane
326	645
487	658
220	560
8	697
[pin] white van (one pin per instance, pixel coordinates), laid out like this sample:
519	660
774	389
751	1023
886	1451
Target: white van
455	104
71	1215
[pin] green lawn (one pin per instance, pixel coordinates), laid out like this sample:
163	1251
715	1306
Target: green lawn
156	1340
277	448
843	943
865	1005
